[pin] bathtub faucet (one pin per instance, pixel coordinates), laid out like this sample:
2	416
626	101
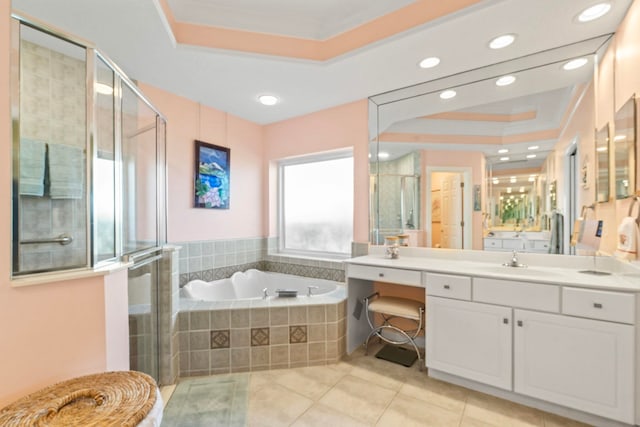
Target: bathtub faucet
264	293
309	290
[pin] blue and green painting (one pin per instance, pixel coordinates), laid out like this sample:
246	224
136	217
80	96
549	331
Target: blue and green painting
212	182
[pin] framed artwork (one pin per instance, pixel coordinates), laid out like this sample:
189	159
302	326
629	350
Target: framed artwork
477	198
435	206
212	176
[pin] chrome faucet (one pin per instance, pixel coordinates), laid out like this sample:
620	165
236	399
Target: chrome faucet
264	293
514	261
309	288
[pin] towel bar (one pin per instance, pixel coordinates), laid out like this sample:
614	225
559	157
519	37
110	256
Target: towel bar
63	239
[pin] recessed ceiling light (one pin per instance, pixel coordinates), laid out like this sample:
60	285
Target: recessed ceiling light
496	181
429	62
532	179
448	94
502	41
533	147
512	179
575	63
383	155
504	159
601	149
268	100
503	150
619	137
508	189
594	12
505	80
531	156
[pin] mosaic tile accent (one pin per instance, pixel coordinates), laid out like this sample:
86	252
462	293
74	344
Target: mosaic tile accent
259	336
220	339
298	334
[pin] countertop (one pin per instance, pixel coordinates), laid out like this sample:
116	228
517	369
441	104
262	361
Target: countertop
541	268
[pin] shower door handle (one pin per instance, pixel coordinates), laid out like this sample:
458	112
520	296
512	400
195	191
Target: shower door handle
63	239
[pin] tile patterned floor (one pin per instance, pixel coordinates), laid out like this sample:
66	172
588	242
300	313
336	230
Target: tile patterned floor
365	391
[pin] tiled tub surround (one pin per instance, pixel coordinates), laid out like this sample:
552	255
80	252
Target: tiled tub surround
219	259
253	335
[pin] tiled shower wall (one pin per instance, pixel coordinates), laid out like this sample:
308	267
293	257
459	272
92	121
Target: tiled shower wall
52	110
219	259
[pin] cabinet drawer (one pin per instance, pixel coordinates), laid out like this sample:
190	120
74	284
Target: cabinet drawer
385	274
449	286
512	244
517	294
493	243
541	245
603	305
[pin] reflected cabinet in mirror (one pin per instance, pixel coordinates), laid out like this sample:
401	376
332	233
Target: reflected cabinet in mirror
624	143
429	152
602	164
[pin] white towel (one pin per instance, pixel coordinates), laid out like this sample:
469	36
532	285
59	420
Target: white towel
628	238
32	164
66	168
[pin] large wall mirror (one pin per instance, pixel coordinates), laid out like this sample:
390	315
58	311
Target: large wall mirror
624	143
495	126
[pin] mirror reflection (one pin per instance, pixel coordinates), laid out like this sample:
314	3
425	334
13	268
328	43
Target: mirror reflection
498	132
624	144
602	164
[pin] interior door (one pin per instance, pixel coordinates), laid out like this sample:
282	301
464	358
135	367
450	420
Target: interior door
452	211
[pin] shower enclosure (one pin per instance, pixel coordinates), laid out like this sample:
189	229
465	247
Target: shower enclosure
88	172
397	183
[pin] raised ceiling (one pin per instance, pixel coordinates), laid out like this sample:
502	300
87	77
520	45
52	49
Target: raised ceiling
150	43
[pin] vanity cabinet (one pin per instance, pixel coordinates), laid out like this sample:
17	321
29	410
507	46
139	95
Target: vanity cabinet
469	339
583	364
517	336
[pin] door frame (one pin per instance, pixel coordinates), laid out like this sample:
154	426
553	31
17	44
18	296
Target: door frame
467	198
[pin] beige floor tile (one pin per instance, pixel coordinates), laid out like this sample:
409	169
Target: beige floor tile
359	399
274	405
166	392
312	382
495	411
320	415
552	420
406	411
435	392
259	379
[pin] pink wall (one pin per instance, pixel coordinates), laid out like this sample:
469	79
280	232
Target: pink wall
187	121
457	159
345	126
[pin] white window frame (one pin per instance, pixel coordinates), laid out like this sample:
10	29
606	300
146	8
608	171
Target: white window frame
307	158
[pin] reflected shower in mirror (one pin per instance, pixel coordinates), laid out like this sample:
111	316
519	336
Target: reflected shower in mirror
624	143
493	130
602	164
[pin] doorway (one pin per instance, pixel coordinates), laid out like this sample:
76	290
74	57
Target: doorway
448	207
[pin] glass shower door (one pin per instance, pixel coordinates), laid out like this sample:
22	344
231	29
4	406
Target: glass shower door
140	233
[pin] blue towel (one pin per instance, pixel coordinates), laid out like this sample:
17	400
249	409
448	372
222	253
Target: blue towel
66	171
32	165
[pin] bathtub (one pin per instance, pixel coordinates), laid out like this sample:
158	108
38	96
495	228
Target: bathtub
227	326
251	284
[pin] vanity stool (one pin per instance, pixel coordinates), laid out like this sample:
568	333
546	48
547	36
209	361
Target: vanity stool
394	307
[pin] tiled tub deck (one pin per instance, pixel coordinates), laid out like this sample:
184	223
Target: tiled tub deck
252	335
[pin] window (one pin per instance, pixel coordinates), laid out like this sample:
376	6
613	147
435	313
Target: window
316	204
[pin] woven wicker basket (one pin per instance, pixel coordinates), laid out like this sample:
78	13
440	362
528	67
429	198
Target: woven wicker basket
106	399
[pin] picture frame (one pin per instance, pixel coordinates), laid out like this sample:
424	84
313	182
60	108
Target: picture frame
477	198
212	176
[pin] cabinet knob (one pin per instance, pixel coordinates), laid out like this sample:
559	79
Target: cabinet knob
597	305
505	321
447	287
519	322
380	274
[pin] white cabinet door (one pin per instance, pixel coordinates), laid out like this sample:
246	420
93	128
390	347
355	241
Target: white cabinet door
470	340
580	363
